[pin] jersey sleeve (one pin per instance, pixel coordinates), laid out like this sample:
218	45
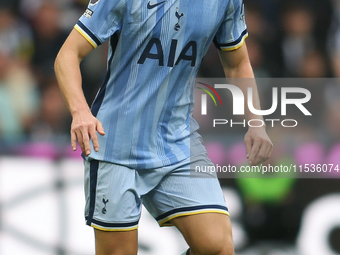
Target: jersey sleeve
100	21
233	30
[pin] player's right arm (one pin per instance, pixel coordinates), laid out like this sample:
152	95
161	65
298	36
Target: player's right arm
84	125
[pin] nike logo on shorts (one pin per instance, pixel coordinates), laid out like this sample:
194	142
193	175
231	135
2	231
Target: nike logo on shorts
151	6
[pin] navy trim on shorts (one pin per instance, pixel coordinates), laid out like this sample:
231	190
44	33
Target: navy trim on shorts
114	225
191	208
94	165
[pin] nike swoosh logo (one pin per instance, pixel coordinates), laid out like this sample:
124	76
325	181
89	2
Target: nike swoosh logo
151	6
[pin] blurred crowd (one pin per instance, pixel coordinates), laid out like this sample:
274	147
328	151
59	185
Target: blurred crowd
31	34
287	39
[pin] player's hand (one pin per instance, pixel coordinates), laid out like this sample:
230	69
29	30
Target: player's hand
258	144
85	127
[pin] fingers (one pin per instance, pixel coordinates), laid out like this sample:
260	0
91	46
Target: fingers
264	151
258	145
247	142
270	150
100	128
84	133
86	140
262	154
253	152
94	138
81	134
93	133
73	140
79	137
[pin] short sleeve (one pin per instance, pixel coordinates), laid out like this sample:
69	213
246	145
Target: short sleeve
101	20
233	30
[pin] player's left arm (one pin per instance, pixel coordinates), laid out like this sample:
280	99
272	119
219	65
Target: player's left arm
236	65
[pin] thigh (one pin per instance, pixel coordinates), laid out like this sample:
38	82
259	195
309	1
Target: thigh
116	243
113	204
208	233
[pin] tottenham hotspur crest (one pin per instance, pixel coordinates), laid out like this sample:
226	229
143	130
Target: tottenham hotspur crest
105	201
178	16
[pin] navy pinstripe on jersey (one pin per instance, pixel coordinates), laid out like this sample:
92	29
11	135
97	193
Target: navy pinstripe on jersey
156	47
